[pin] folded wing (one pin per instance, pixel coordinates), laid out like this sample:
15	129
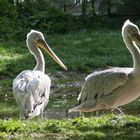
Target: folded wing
31	90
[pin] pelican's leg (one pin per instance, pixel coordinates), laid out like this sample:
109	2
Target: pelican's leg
119	110
67	114
41	114
21	115
97	113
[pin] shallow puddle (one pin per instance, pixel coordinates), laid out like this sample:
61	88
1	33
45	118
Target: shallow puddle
64	92
58	106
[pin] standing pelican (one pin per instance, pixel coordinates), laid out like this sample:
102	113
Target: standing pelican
111	88
31	88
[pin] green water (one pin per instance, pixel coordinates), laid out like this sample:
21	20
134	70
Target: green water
64	91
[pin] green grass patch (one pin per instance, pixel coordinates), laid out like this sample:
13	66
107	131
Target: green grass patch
103	127
81	51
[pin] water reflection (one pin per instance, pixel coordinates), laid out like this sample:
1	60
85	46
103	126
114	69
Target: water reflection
58	106
64	91
58	109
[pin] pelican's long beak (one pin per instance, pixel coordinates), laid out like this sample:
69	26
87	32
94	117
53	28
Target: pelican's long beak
42	44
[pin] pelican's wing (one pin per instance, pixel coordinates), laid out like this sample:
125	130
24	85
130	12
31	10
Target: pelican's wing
102	83
31	89
31	81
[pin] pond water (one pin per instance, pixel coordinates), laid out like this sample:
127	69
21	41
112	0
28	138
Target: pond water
64	92
57	109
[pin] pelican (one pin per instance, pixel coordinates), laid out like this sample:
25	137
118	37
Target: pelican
114	87
31	88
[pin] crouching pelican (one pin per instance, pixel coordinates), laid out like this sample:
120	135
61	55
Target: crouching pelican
111	88
31	88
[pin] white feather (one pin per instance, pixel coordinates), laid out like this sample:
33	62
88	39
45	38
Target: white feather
31	85
114	87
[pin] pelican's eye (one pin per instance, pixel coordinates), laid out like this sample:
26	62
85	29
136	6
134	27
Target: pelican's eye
35	41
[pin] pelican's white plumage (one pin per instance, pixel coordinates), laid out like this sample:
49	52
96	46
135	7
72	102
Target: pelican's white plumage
108	89
31	88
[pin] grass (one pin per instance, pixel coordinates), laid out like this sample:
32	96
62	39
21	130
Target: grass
104	127
82	52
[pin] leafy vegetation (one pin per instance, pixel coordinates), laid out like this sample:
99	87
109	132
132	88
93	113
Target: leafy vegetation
103	127
18	17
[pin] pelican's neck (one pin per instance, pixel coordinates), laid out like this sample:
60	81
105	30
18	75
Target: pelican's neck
132	47
39	59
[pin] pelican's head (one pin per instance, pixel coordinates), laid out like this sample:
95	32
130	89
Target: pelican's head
33	36
35	39
131	30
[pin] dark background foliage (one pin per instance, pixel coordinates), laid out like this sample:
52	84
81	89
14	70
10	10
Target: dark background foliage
18	17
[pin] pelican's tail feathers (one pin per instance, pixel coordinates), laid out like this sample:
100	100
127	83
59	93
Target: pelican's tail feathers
74	109
87	106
